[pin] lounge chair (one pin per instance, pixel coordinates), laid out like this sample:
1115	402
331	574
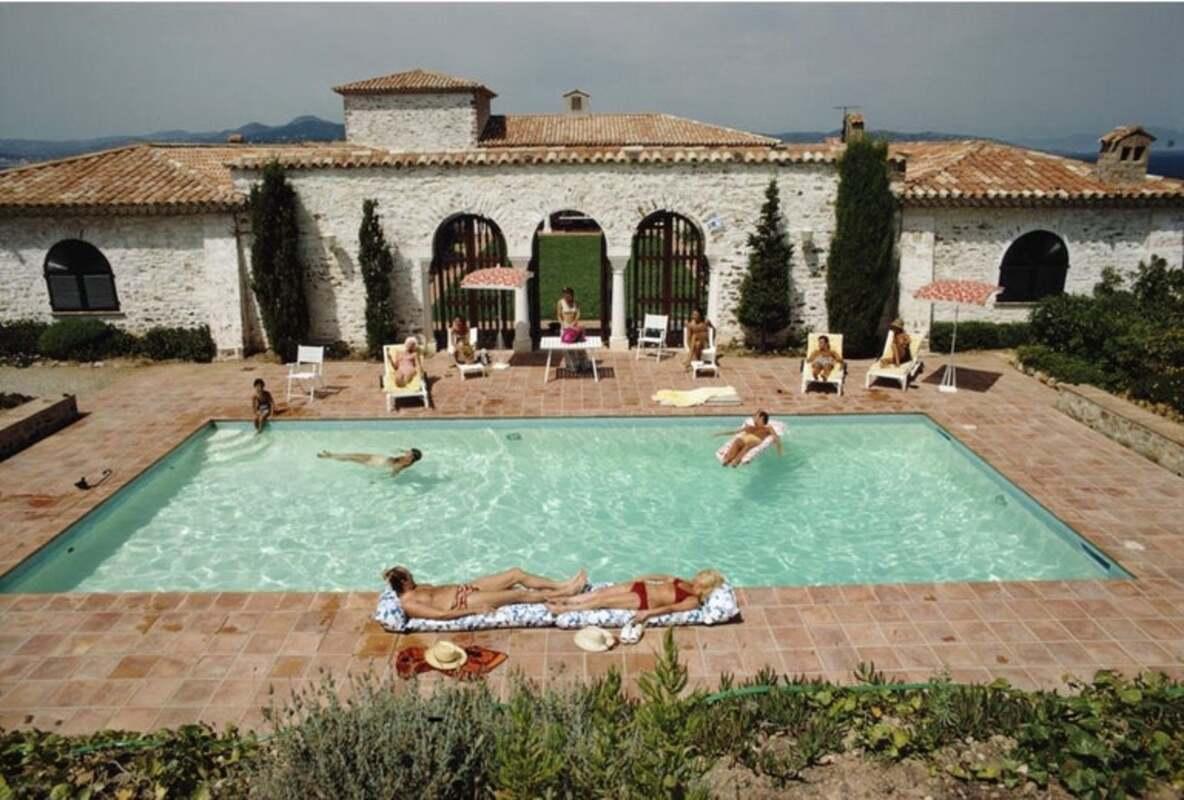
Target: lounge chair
901	373
309	368
477	367
838	375
652	332
707	363
417	387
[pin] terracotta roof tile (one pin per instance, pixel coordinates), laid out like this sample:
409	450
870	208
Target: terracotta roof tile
607	130
1123	131
974	172
416	81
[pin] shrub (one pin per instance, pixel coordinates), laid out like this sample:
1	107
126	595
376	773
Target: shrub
979	336
84	339
1063	367
764	292
376	264
188	344
18	340
861	272
277	274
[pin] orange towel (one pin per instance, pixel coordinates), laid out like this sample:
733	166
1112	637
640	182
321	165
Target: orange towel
410	662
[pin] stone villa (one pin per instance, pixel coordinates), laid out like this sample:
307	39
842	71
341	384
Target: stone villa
156	234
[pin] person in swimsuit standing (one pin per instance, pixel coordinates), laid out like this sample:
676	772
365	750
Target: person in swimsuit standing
648	595
478	596
749	437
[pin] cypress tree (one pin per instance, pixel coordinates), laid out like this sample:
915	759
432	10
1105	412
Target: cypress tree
277	275
376	263
861	270
764	293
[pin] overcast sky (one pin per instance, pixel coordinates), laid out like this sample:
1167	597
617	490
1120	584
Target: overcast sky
71	71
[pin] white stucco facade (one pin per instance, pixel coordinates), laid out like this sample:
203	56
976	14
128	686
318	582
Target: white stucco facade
969	244
722	200
181	271
415	122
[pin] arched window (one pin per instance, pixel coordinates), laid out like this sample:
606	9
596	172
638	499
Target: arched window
1033	267
79	278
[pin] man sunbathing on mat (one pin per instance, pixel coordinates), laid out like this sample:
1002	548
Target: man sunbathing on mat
452	600
650	595
395	464
749	437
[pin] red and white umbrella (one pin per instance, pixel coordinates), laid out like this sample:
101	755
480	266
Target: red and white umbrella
956	292
504	278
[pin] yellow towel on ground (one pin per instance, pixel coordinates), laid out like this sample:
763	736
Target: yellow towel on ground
680	398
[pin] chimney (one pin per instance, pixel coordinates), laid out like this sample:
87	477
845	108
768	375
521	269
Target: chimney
852	127
1123	153
576	101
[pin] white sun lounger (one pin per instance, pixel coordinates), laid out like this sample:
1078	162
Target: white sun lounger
417	387
838	375
901	373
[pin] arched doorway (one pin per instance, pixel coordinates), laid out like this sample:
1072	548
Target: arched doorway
79	278
1033	267
668	272
572	253
462	244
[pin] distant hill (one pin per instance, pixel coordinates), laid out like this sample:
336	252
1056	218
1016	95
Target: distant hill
805	137
307	128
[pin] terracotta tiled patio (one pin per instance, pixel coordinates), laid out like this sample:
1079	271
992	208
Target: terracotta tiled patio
78	662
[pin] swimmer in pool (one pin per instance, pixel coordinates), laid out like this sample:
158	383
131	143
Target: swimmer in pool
748	437
395	464
649	595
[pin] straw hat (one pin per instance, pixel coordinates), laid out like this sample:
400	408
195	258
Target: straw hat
897	324
594	639
445	655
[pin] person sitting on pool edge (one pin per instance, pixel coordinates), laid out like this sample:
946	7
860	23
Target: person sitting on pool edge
650	595
261	405
478	596
823	360
395	464
749	436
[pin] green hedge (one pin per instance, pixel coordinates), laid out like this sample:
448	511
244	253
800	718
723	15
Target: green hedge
83	339
1118	338
1114	737
979	336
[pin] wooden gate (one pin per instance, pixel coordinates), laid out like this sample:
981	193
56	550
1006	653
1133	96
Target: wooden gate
461	245
668	273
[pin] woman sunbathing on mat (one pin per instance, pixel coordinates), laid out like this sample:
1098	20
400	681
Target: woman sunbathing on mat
478	596
650	595
748	437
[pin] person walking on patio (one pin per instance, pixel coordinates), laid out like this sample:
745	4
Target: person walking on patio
479	595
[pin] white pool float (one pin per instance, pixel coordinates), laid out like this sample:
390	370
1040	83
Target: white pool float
765	444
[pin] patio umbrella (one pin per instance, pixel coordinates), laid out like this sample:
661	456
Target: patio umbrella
498	279
956	292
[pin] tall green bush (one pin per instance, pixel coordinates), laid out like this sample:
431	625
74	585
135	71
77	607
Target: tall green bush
764	293
861	271
376	263
277	274
18	340
187	344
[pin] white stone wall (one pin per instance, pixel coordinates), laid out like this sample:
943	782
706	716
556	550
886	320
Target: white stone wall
969	243
169	270
413	122
723	200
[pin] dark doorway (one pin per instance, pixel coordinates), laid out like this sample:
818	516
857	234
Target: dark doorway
668	272
462	244
1034	267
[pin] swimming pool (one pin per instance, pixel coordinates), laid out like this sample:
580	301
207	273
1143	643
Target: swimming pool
855	499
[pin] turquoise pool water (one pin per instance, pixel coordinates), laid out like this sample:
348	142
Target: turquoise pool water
855	499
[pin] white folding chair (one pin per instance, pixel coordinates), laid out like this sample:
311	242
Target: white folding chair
309	367
653	332
707	362
477	367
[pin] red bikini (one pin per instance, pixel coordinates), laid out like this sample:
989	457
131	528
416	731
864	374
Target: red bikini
643	597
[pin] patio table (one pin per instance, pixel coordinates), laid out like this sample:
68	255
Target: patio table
553	343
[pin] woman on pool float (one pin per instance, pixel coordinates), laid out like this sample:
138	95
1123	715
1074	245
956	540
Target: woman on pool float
650	595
